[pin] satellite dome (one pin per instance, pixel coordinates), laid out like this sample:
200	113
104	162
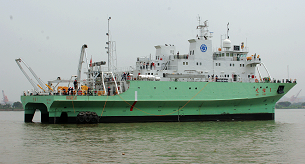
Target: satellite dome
226	43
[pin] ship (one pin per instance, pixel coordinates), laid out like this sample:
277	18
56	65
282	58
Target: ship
225	84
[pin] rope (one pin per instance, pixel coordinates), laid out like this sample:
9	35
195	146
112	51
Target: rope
138	108
189	100
73	106
104	105
165	114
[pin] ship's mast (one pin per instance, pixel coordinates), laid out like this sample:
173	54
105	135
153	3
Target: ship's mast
228	30
204	31
108	46
111	51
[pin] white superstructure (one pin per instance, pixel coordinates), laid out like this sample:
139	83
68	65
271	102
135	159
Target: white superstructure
227	64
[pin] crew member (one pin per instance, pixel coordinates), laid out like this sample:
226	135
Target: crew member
75	84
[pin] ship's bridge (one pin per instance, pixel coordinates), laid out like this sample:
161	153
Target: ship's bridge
230	55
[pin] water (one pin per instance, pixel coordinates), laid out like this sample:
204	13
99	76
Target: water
279	141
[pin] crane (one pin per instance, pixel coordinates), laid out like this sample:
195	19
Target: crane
5	99
293	98
43	86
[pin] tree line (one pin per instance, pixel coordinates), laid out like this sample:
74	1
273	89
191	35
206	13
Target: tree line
16	105
289	105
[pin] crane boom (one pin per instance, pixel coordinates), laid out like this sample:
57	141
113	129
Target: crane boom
26	75
40	84
298	94
81	59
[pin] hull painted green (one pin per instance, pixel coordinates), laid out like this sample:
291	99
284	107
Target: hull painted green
164	101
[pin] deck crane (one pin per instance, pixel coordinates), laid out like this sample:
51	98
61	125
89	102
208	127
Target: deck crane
81	60
43	86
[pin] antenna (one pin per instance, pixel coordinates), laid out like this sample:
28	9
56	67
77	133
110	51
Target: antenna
198	20
288	71
228	30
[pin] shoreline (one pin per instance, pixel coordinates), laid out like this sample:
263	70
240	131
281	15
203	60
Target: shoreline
11	109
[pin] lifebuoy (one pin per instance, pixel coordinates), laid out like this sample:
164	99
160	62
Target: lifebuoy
256	80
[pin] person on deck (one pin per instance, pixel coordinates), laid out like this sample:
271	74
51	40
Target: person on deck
109	91
75	84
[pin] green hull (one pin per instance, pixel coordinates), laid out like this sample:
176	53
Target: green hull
164	101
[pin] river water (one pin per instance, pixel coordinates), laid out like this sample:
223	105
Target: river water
278	141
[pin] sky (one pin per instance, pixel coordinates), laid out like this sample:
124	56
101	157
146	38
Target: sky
48	34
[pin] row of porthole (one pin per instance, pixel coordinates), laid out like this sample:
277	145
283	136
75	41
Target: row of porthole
195	87
260	87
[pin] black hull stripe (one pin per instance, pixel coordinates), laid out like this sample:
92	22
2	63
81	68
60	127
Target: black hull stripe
188	118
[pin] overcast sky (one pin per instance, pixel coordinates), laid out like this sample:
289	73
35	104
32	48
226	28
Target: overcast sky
48	34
